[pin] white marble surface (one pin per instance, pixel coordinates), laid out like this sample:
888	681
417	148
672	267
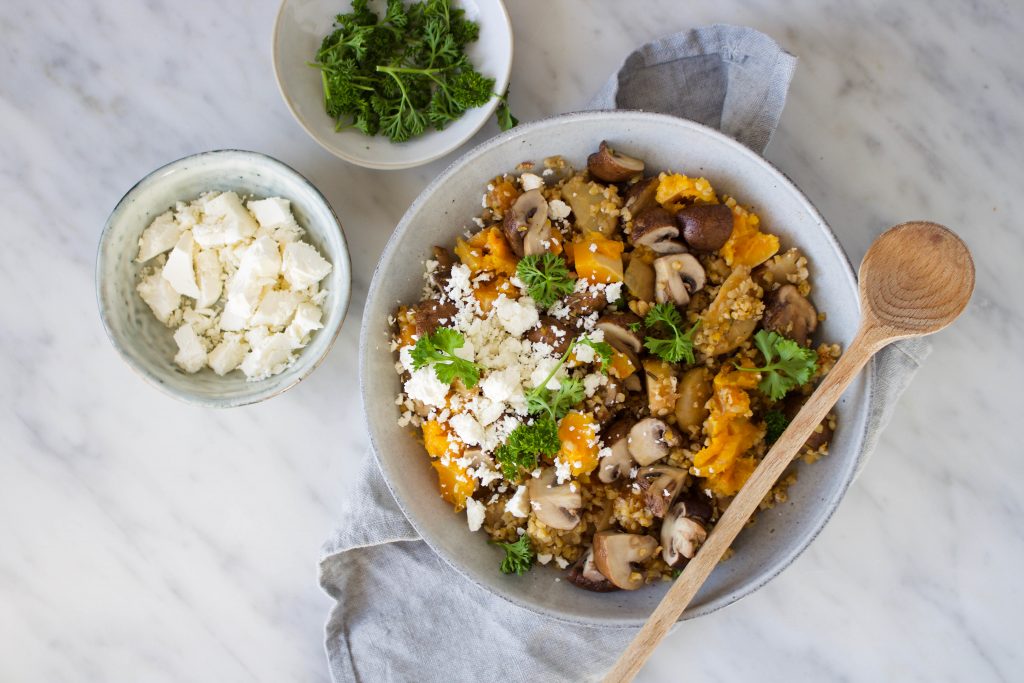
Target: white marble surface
144	540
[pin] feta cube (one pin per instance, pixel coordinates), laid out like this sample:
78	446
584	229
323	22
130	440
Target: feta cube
191	356
306	320
467	428
303	265
519	504
276	308
180	267
228	355
161	235
268	356
272	212
531	181
225	221
475	511
209	272
159	296
516	316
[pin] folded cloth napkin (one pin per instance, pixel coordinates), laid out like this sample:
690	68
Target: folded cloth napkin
402	614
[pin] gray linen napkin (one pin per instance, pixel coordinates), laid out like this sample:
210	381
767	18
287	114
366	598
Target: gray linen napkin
402	613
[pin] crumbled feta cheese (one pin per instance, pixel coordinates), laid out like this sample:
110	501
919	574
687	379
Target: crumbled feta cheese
561	562
271	212
159	296
613	292
161	235
306	320
501	385
180	267
209	275
191	354
225	221
563	471
475	511
515	316
592	381
276	308
544	558
467	428
584	353
228	355
303	265
519	504
424	386
530	181
268	356
558	210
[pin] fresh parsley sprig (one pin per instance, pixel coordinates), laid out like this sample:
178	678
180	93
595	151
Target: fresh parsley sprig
438	350
402	73
524	446
775	423
677	347
556	403
518	556
546	277
787	364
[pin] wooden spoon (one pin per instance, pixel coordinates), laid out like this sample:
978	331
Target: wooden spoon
915	279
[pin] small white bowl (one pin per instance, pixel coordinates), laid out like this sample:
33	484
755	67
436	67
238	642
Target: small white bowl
300	29
142	340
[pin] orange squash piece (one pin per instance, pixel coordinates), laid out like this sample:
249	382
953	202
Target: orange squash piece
486	293
723	462
578	435
597	258
747	246
455	483
621	366
673	187
436	440
406	327
488	250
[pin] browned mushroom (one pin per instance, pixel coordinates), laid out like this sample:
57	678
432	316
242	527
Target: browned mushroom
683	531
585	302
445	261
694	391
656	229
619	331
430	314
676	277
584	574
789	313
526	225
706	227
615	555
613	466
641	195
552	332
650	440
612	167
661	485
556	506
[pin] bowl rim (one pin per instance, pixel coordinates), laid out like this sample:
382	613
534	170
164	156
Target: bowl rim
776	566
500	84
256	395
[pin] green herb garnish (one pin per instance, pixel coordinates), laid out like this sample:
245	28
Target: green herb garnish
546	277
557	403
525	445
438	350
401	73
518	556
775	423
677	347
787	364
602	350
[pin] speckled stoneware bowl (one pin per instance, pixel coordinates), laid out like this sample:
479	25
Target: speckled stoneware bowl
444	210
143	341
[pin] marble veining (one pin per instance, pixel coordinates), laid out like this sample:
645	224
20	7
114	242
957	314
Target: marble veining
146	540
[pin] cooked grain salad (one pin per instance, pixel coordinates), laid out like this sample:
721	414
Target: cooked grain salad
603	362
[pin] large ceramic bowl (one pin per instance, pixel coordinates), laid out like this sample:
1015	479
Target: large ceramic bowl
444	210
142	340
298	32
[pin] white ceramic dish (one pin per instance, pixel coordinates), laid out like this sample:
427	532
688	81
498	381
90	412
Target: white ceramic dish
445	209
142	340
298	32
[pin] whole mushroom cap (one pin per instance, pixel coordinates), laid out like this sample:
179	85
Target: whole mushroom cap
706	227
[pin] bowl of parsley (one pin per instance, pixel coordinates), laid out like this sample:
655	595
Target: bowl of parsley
397	84
687	164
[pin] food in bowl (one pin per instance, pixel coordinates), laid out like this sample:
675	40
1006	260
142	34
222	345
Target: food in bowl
602	363
403	73
236	283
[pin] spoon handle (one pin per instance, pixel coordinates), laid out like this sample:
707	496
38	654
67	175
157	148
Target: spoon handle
735	517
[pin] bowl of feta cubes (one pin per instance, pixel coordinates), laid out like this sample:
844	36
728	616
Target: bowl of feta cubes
223	278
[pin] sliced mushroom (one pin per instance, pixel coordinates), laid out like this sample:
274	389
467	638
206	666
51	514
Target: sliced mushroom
662	386
694	391
526	224
656	229
556	506
615	555
682	533
650	440
639	278
618	332
612	167
585	198
585	302
641	195
584	574
613	466
706	227
660	484
676	277
445	261
552	332
430	314
789	313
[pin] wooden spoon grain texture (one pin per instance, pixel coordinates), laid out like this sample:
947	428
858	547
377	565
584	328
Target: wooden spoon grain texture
915	279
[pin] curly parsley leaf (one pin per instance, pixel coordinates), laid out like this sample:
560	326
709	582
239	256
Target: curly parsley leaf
602	350
678	346
546	277
787	364
518	556
524	446
775	423
556	403
438	350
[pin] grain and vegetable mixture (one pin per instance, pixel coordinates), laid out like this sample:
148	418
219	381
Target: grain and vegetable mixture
602	363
